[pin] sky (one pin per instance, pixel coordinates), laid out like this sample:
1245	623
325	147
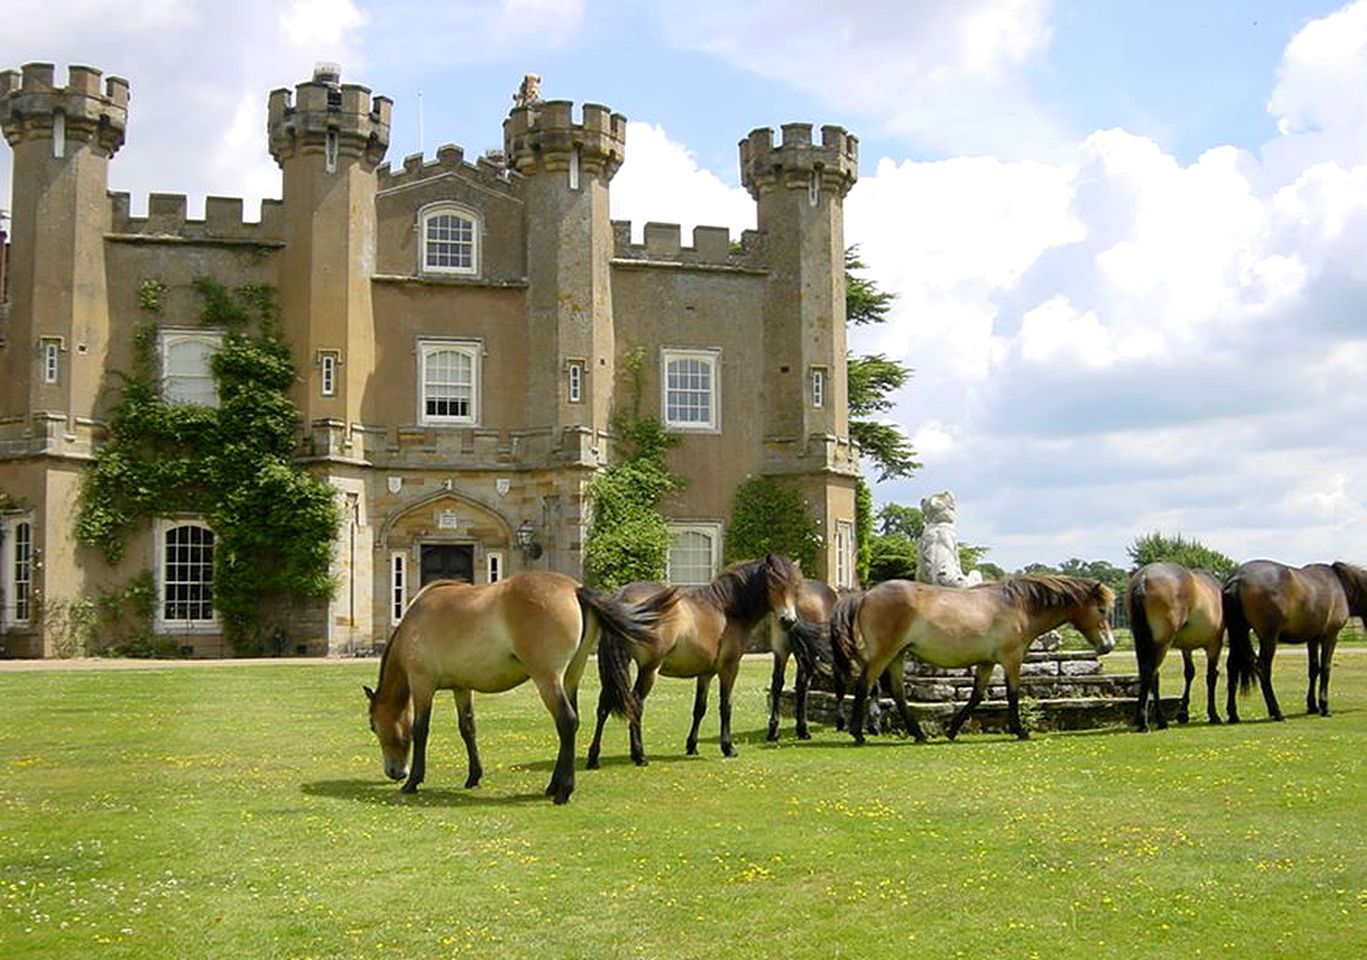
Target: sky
1128	241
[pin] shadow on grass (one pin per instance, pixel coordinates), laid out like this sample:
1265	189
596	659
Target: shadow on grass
387	795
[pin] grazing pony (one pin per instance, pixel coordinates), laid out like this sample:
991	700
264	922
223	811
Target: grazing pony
1171	606
1293	605
492	638
703	636
980	626
805	639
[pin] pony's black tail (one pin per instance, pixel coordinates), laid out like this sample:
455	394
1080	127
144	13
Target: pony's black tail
623	626
811	645
1240	663
1145	650
846	658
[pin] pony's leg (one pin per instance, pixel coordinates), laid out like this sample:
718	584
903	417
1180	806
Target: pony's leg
1013	712
699	709
980	678
1326	661
899	696
645	680
597	745
775	691
1141	710
727	675
1267	649
801	683
1188	675
422	721
859	707
465	718
1212	675
561	708
1312	659
838	681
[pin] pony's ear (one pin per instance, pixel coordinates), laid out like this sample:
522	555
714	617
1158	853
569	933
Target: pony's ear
369	693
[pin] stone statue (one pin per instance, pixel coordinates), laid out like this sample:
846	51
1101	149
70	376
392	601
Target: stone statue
937	558
529	92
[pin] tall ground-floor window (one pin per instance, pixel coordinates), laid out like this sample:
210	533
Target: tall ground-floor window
17	581
186	582
694	552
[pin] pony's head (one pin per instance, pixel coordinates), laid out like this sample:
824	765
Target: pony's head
1093	616
782	578
392	724
1354	580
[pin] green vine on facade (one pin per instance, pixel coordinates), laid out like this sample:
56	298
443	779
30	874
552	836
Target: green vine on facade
628	538
771	516
232	465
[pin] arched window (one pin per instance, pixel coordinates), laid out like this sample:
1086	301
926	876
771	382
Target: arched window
450	240
186	584
448	379
186	372
693	553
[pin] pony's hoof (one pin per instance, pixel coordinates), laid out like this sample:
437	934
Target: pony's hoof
1182	718
561	798
858	739
805	734
1213	718
472	781
640	761
1023	735
840	724
409	788
729	751
591	763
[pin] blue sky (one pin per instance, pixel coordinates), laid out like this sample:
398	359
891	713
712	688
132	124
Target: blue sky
1127	239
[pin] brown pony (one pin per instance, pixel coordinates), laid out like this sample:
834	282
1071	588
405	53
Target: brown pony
1171	606
490	639
980	626
1294	605
804	638
703	636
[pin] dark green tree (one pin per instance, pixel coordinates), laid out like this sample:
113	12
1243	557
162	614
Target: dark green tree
769	515
1155	547
874	378
1103	570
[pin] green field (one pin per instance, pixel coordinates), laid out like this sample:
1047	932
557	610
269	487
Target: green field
240	812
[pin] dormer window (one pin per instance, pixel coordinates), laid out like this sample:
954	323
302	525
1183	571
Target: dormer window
450	240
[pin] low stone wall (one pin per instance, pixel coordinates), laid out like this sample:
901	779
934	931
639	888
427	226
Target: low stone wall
1059	690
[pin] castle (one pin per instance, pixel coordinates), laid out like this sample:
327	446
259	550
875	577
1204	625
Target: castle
460	330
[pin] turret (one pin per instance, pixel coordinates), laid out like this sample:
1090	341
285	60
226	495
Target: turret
567	167
800	187
63	138
328	138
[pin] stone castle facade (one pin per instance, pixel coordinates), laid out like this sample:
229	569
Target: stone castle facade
461	330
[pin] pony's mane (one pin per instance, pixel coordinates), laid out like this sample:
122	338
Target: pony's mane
742	589
1354	580
1042	592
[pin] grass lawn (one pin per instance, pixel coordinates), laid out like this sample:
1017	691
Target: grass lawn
241	812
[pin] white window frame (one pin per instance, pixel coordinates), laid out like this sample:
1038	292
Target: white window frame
172	337
58	134
425	255
494	568
16	614
711	530
574	381
328	362
52	359
473	350
161	623
398	586
818	387
331	145
711	359
844	553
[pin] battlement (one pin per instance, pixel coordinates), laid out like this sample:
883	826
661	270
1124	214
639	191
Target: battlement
300	123
794	162
223	223
543	136
711	247
450	160
30	100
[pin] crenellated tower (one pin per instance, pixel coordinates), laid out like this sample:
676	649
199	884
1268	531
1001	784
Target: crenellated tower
800	187
63	138
567	167
328	138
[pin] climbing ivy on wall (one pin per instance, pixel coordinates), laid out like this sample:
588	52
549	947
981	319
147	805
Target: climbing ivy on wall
273	522
771	516
628	539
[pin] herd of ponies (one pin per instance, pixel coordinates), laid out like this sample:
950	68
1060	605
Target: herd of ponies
543	626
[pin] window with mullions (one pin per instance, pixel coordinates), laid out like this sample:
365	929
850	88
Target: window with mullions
693	553
187	576
450	241
690	395
186	372
448	379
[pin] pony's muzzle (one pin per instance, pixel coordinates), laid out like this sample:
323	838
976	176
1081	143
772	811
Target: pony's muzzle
787	620
395	771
